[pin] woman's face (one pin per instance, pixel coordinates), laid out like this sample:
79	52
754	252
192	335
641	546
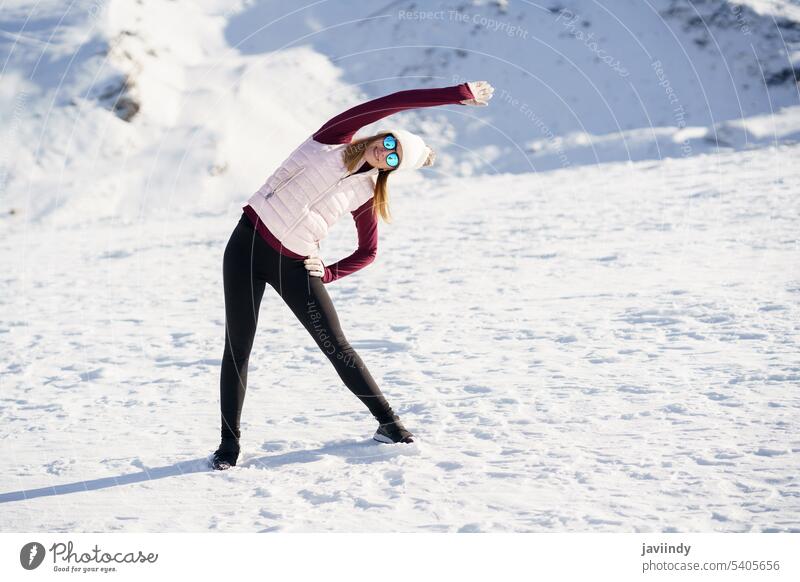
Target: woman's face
375	154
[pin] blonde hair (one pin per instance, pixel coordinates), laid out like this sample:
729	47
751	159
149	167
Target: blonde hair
351	155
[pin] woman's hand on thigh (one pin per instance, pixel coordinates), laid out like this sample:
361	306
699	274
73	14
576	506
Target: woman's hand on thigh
314	266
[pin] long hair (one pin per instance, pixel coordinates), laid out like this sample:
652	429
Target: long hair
351	155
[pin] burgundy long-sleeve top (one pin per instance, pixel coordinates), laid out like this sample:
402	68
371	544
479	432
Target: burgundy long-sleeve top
340	130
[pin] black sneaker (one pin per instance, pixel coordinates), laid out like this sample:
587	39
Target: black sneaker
226	455
393	432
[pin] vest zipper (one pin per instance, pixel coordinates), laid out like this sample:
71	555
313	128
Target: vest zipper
285	182
317	199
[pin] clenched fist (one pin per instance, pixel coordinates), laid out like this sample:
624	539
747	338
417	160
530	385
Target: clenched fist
481	91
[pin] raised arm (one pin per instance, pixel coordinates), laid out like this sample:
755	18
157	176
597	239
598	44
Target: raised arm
367	227
340	129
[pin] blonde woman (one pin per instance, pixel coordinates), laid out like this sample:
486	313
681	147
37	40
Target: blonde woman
276	242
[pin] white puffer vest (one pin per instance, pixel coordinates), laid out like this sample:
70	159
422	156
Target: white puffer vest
308	193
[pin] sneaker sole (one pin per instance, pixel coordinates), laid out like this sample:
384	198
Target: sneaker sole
381	438
384	439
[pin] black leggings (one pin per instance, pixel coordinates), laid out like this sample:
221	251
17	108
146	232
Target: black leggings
249	264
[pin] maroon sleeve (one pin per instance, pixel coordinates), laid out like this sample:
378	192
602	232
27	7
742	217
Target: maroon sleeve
340	129
367	227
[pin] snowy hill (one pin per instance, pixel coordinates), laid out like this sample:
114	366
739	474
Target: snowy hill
213	104
586	310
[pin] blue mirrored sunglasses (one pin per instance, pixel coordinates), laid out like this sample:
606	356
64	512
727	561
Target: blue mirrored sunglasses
390	143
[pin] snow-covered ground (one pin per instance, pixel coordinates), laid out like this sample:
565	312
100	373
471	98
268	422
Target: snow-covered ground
606	349
609	345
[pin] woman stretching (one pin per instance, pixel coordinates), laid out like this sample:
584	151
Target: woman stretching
277	240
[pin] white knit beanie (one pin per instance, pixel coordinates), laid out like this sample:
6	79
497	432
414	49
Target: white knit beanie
415	152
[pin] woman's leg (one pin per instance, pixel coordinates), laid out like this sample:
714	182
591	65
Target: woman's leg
244	290
308	299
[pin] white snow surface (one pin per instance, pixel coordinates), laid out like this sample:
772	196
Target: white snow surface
606	349
587	311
